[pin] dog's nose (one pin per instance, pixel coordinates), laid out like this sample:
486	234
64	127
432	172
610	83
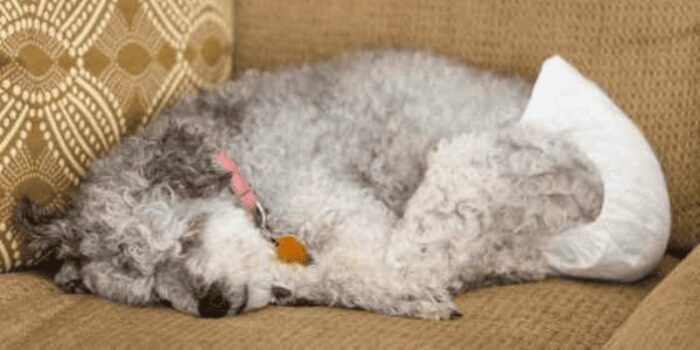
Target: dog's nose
213	304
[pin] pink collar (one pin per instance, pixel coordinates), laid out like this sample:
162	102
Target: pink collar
241	187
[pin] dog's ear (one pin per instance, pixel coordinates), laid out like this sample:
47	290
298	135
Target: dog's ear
213	304
33	221
28	215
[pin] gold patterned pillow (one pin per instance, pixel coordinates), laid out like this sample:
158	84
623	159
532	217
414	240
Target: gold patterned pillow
76	75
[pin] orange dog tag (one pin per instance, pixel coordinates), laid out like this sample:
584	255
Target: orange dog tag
290	250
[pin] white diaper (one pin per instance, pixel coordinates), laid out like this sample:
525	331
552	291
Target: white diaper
629	238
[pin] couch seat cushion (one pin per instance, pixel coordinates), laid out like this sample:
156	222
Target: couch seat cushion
555	313
669	317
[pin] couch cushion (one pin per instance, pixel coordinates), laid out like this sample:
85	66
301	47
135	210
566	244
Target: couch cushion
644	52
554	313
76	75
669	317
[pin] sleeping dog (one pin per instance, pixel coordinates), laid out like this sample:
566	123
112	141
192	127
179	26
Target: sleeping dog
406	175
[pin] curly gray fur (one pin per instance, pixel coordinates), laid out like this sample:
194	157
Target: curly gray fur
407	175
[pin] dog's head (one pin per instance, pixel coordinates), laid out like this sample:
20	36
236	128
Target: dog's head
225	264
208	258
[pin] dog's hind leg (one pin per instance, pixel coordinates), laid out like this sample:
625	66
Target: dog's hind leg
486	205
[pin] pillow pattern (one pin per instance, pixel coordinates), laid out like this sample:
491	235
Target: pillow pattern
76	75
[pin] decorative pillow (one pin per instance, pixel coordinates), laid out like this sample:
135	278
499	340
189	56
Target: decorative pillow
76	75
629	237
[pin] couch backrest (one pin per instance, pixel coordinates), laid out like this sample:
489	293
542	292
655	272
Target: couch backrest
646	53
77	75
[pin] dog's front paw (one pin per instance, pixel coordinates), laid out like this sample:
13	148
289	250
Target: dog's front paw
281	296
70	280
284	297
429	308
73	286
437	312
427	305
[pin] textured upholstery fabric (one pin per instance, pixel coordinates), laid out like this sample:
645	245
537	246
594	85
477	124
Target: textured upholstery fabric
75	75
669	318
644	52
553	314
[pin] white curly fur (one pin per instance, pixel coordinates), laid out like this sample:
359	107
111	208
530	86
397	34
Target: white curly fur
406	174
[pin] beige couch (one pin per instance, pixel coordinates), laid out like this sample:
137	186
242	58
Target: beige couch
646	53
